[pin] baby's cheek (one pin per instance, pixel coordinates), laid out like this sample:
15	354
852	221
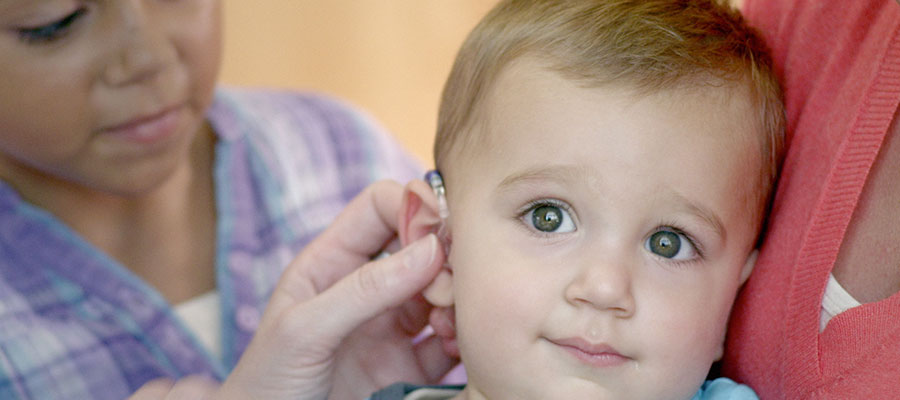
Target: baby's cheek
709	335
694	327
493	300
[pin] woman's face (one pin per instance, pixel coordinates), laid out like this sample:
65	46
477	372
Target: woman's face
107	94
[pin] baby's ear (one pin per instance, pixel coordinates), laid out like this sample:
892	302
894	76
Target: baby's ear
749	265
419	216
418	213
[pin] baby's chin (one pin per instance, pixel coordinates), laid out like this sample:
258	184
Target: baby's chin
576	389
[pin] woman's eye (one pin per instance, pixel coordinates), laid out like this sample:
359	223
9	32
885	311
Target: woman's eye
671	244
550	218
50	31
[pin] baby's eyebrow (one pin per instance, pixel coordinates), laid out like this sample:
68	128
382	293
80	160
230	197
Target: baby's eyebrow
544	173
704	213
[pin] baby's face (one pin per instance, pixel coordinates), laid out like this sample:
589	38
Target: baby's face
599	237
109	93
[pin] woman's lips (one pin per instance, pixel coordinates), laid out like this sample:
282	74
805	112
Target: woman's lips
149	128
596	355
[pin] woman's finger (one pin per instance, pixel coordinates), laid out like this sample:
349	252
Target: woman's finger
361	231
156	389
193	388
365	226
435	361
371	290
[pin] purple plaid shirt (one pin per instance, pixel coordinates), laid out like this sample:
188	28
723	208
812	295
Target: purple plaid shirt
76	324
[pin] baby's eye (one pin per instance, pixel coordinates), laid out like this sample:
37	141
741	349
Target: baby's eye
671	244
550	218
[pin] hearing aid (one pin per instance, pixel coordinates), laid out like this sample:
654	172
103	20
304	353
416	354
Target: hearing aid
436	182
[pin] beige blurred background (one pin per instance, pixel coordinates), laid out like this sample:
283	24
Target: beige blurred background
389	57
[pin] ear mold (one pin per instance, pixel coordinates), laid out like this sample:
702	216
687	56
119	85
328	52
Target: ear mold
436	181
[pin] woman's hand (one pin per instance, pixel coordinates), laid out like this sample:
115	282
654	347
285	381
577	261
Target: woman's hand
340	325
190	388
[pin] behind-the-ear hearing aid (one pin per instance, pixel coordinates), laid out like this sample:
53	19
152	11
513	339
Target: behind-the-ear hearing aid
436	182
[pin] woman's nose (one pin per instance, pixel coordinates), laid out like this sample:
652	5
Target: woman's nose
140	50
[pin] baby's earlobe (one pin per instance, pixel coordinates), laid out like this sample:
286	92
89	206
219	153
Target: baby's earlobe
749	265
440	291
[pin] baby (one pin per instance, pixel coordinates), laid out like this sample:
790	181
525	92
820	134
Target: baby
607	167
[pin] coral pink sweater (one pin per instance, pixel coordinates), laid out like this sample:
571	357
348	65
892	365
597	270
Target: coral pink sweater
840	64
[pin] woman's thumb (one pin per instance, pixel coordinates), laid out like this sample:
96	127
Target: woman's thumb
377	287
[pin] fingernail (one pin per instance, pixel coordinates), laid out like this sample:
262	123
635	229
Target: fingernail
421	253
